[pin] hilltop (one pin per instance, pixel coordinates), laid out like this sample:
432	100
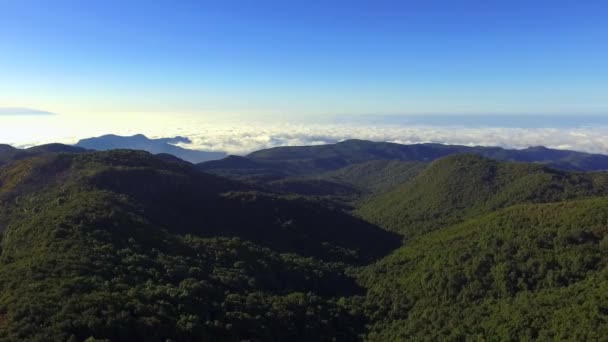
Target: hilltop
455	188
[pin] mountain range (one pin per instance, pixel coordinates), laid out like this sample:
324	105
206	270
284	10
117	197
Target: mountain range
154	146
345	242
296	160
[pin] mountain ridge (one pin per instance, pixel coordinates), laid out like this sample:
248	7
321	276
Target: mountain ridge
308	160
155	146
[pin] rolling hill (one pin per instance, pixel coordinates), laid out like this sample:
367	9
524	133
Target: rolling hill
527	272
123	245
458	187
128	246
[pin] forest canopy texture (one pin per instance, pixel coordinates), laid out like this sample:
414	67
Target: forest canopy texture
347	243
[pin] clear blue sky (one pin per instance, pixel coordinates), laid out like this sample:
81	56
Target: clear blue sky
305	57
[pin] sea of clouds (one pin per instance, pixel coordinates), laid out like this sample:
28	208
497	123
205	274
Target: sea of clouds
244	136
247	138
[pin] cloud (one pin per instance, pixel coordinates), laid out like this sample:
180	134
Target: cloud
248	138
18	111
242	137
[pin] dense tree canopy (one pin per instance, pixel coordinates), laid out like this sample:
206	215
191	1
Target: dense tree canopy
123	245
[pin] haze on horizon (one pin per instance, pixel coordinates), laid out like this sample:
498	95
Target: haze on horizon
241	75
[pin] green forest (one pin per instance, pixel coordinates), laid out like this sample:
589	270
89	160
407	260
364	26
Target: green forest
341	244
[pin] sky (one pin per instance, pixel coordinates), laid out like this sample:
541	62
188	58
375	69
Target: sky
151	66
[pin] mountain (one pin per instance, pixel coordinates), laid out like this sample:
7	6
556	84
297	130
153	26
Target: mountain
512	251
155	146
455	188
124	245
311	160
9	154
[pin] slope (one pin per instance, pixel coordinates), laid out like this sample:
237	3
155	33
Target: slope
123	245
457	187
376	176
528	272
9	154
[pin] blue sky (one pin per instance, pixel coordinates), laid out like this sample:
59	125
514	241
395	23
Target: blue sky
305	58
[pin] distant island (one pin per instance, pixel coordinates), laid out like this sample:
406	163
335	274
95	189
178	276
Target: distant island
154	146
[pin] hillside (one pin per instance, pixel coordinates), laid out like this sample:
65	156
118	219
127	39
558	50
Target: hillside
126	246
376	176
528	272
455	188
348	185
9	154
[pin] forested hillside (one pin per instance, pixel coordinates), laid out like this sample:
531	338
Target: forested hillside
455	188
127	246
528	272
123	245
9	153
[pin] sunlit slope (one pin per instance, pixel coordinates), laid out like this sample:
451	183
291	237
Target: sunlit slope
528	272
457	187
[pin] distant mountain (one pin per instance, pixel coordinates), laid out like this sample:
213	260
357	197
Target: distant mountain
154	146
308	160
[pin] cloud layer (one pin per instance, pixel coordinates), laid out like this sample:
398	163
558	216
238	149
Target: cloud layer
242	137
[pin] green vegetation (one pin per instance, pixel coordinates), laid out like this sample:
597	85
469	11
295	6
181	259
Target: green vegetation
455	188
376	176
529	272
10	154
126	246
307	160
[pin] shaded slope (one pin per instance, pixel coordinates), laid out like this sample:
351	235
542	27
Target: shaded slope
179	197
376	176
126	246
457	187
95	266
350	184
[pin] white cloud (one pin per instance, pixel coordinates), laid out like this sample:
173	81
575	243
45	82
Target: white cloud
247	138
238	137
